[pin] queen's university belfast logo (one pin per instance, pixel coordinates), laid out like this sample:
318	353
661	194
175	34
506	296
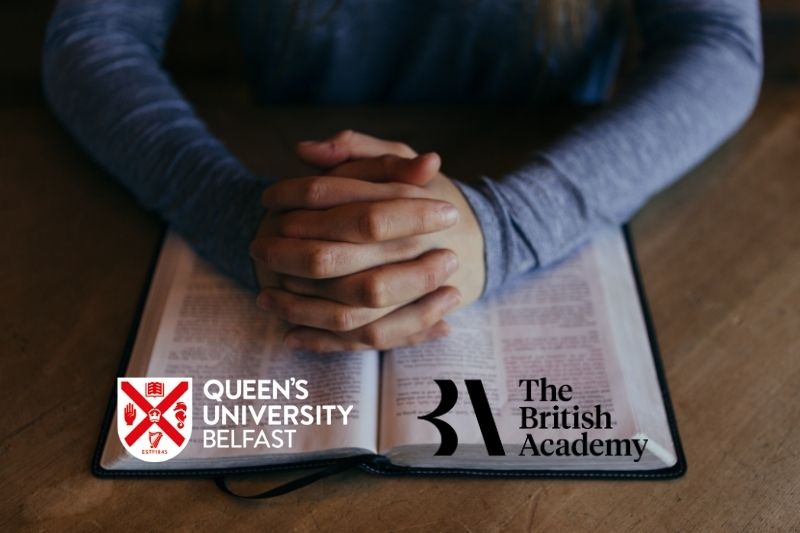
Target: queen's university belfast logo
154	416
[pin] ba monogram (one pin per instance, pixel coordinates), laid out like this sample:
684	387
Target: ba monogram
483	414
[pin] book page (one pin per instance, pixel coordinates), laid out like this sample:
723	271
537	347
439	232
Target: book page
578	323
199	324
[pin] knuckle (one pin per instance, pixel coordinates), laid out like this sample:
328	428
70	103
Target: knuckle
372	225
314	191
430	278
374	292
373	336
344	320
429	218
321	262
265	251
436	215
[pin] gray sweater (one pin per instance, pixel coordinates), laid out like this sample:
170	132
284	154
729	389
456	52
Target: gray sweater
697	82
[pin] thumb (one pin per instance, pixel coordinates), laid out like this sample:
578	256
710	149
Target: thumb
347	145
417	171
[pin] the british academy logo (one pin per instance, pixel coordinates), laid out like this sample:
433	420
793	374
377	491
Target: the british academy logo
154	416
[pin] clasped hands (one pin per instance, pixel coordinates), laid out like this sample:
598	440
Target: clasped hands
370	254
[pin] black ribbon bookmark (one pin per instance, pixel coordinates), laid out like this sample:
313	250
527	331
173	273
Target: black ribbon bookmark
299	483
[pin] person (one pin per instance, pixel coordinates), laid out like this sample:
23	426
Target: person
379	246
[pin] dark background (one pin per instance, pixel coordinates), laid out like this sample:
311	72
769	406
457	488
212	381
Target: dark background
204	58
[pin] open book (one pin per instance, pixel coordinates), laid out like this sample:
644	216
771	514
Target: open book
580	323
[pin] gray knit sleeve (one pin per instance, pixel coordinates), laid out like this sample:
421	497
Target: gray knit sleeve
698	81
103	79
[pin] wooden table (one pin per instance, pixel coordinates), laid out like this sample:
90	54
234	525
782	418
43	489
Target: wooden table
720	256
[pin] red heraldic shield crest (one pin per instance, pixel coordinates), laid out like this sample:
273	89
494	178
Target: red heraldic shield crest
154	416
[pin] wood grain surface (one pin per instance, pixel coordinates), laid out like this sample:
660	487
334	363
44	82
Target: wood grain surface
720	258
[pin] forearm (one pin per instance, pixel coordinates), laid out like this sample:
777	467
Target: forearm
103	80
698	82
